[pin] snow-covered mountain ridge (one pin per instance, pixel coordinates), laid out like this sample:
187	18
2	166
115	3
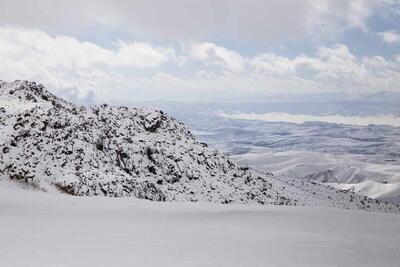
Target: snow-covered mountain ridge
52	145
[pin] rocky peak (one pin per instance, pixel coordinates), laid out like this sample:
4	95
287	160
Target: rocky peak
30	92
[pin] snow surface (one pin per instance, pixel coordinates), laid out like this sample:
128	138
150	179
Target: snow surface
39	229
389	192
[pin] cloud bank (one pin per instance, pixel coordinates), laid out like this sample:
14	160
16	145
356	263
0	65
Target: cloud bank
390	37
272	21
185	70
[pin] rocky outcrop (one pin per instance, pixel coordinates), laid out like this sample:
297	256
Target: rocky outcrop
52	145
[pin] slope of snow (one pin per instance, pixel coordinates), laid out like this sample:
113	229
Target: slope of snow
373	189
128	152
39	229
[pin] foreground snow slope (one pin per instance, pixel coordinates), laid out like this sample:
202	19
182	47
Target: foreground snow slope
39	229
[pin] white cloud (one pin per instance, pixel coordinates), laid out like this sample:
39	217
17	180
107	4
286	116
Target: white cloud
390	37
330	18
335	63
333	68
142	55
69	52
211	54
65	62
273	64
330	62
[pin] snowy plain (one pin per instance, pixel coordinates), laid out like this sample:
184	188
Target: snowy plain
42	229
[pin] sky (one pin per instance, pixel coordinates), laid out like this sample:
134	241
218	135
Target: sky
210	50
